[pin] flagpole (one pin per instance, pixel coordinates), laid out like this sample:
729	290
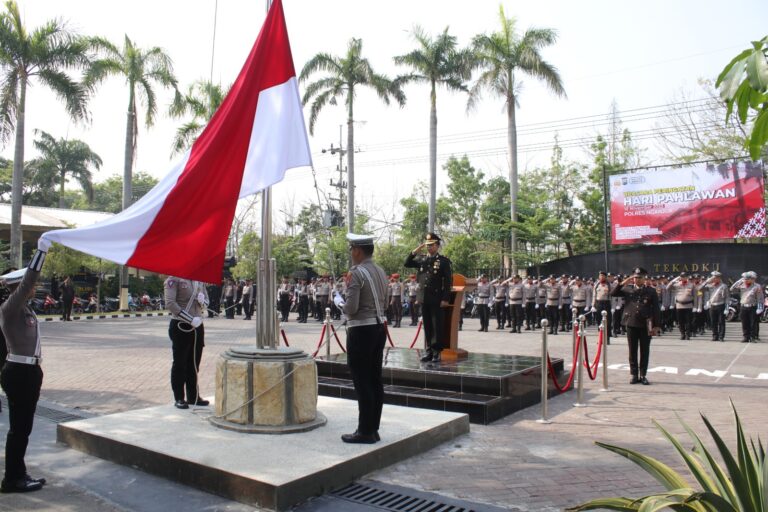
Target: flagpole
266	328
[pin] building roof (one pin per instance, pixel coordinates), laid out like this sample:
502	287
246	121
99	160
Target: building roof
37	218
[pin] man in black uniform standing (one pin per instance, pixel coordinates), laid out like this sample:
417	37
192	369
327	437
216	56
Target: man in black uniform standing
436	279
642	318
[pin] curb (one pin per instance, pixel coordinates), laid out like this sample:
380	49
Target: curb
110	316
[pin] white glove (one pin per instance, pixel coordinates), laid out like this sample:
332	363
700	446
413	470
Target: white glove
338	300
559	307
707	305
43	244
197	322
613	310
202	300
593	310
759	310
663	308
536	306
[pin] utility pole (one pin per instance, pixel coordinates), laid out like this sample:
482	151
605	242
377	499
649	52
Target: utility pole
341	184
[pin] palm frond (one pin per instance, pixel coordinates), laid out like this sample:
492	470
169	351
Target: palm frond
320	62
73	94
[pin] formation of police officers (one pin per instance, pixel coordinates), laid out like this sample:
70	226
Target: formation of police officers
694	303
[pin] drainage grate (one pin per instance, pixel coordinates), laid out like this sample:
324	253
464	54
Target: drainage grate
55	415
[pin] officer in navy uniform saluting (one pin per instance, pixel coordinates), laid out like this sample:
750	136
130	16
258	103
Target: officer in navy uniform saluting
436	279
642	318
187	301
22	376
364	308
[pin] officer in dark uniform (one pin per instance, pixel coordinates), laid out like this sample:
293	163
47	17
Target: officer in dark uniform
22	376
642	318
436	279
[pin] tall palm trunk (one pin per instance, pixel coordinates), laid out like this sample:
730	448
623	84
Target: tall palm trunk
432	158
18	176
62	179
350	162
512	148
130	133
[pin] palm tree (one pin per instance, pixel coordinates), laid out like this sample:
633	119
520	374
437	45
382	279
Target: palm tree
44	54
202	100
501	55
142	70
436	61
342	76
68	158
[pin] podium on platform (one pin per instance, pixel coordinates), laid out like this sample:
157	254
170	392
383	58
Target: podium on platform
460	286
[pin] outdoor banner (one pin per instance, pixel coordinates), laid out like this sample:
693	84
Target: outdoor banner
696	202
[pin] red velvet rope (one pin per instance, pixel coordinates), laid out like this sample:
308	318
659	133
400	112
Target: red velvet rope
592	368
333	329
389	337
418	330
320	343
552	374
285	338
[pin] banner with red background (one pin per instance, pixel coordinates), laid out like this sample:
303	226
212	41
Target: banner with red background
696	202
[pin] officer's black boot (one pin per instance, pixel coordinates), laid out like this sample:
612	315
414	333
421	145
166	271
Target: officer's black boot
427	356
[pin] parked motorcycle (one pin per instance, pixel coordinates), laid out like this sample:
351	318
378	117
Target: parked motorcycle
732	313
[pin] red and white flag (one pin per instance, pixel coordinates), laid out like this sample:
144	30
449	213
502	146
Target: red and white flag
181	226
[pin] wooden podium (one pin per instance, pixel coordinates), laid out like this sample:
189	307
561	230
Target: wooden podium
453	313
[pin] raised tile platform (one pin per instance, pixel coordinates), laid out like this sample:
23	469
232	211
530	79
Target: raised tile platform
487	387
272	471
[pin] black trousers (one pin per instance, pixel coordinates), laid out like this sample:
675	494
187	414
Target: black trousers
229	304
638	338
541	313
552	318
247	307
187	348
397	310
530	315
685	321
600	306
516	311
749	322
285	306
433	317
365	352
414	310
565	317
322	303
484	311
67	308
500	311
303	308
21	383
616	320
717	320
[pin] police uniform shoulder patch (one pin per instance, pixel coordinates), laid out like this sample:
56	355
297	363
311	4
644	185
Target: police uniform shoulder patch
170	282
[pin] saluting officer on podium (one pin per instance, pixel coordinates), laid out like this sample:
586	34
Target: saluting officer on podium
364	308
436	278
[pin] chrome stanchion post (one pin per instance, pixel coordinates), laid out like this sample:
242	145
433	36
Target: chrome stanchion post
579	364
328	333
544	373
605	351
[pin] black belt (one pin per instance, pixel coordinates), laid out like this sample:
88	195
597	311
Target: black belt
683	303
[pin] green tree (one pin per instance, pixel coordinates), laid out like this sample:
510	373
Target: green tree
68	158
142	70
202	100
495	222
436	61
502	56
743	84
108	195
45	54
416	216
391	256
465	192
343	76
462	250
248	253
39	184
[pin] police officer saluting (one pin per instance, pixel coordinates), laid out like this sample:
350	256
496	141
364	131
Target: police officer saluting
437	279
187	301
22	376
642	318
365	311
718	295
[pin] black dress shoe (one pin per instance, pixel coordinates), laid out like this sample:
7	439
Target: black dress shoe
41	480
644	381
21	485
181	404
427	357
634	380
481	329
201	402
358	438
436	358
377	436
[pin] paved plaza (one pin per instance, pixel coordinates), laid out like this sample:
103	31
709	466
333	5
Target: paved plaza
107	366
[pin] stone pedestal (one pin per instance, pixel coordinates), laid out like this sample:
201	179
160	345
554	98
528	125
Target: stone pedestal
271	391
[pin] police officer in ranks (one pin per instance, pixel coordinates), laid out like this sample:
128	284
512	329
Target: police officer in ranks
530	292
396	299
187	301
601	301
412	289
248	299
681	294
617	309
515	294
541	301
698	305
302	290
284	293
667	315
366	335
554	303
565	311
718	295
436	279
482	297
323	292
751	301
499	302
642	319
581	296
22	376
